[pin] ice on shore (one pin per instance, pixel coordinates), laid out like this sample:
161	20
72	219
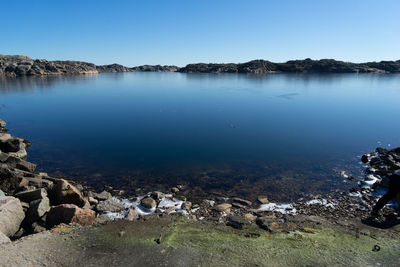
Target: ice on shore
282	208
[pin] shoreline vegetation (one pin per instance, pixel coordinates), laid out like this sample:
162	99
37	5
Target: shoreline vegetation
36	207
16	66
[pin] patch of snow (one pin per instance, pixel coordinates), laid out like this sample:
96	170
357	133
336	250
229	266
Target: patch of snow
282	208
322	202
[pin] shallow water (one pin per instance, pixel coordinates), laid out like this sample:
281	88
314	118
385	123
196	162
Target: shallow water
282	135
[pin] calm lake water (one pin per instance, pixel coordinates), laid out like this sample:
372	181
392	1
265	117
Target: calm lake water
285	136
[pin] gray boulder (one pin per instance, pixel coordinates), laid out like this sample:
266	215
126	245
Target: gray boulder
11	215
103	195
109	205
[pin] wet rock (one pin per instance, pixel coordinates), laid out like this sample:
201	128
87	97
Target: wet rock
70	213
148	203
103	195
364	159
29	196
65	193
242	201
4	239
11	215
37	209
132	215
263	199
110	205
224	207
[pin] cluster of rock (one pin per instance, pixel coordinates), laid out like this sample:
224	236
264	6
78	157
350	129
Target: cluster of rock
379	166
296	66
16	66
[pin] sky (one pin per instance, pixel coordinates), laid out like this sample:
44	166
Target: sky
178	32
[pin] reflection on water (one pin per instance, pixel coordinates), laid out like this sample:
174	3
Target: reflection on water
284	135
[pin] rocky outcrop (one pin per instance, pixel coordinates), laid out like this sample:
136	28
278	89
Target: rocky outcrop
16	66
65	193
296	66
155	68
11	215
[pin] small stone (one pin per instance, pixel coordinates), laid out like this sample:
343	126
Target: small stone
242	201
103	195
263	199
225	207
132	215
148	203
121	234
250	217
93	201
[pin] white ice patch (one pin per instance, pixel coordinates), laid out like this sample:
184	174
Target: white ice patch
344	174
322	202
282	208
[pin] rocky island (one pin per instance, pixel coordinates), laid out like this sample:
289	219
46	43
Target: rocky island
15	66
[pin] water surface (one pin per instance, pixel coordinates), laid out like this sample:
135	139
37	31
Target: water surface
282	135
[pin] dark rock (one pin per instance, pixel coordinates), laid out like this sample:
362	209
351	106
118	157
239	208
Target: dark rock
242	201
364	159
37	209
29	196
10	145
236	222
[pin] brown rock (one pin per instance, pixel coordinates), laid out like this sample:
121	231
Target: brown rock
132	215
70	213
65	193
242	201
250	217
263	199
148	203
225	207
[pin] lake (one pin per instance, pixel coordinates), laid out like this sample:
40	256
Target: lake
281	135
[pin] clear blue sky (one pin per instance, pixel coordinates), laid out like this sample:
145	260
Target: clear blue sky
185	31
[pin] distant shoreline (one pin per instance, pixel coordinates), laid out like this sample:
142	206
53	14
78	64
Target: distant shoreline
17	66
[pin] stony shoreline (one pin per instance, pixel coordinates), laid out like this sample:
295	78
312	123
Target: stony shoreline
17	66
32	202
